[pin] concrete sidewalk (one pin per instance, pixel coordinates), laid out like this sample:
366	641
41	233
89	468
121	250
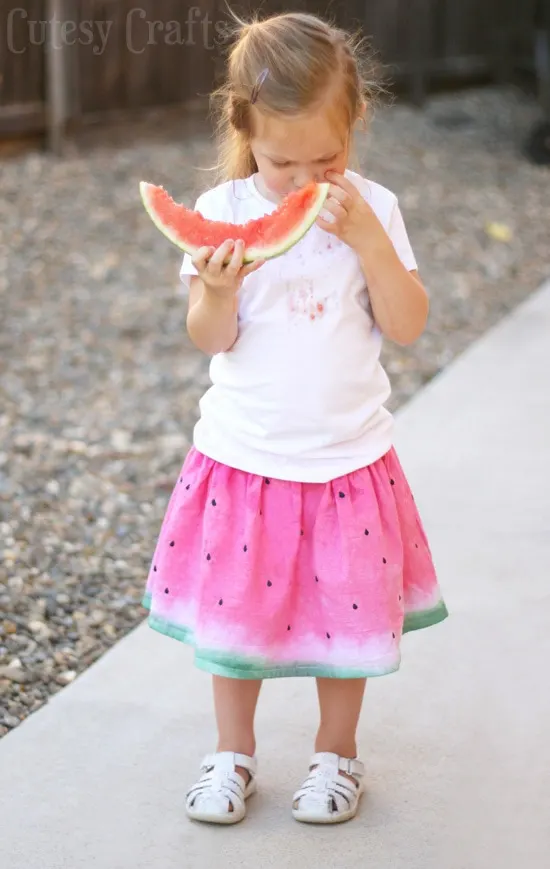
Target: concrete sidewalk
457	744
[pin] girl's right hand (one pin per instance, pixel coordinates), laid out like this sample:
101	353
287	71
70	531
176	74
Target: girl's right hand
222	271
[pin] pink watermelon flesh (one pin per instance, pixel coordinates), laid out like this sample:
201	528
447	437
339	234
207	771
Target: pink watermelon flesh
264	237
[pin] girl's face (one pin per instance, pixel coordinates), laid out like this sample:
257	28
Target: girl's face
291	152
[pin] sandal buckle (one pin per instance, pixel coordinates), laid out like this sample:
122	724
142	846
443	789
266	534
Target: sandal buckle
350	766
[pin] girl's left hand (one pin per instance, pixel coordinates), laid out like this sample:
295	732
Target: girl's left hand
354	220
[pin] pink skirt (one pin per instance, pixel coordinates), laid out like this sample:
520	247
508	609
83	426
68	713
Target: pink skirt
268	578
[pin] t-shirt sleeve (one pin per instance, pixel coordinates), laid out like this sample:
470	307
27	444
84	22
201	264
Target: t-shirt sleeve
398	234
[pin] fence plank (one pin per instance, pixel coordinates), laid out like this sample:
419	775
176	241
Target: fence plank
22	73
73	11
137	71
57	109
421	42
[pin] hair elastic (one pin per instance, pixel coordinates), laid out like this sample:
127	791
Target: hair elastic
257	87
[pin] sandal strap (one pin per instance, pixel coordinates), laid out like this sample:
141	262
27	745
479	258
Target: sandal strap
218	793
350	765
320	782
326	792
221	786
229	760
338	785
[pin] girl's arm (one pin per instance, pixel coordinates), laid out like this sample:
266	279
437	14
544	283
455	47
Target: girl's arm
211	319
212	322
398	299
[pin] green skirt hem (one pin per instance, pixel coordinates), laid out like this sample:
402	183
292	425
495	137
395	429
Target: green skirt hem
231	666
425	618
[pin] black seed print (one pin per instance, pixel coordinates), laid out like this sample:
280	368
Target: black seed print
245	548
155	568
269	583
316	579
392	482
267	481
288	628
166	591
213	502
393	635
341	495
188	486
384	561
400	597
328	636
355	607
366	532
208	557
261	513
220	603
416	545
302	532
181	479
173	543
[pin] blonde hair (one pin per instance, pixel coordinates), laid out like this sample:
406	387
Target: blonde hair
309	62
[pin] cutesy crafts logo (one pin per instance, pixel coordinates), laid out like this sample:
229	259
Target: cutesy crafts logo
197	27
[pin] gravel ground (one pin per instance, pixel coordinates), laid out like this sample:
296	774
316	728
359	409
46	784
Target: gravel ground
99	385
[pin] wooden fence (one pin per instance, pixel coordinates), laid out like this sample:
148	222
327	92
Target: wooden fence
66	60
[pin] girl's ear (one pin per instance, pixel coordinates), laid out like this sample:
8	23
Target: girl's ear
361	120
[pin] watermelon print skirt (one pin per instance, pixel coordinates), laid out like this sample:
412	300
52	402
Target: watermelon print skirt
269	578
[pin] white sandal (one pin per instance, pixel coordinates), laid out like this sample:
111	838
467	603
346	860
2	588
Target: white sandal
219	796
326	797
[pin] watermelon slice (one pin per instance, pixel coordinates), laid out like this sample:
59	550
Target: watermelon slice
265	237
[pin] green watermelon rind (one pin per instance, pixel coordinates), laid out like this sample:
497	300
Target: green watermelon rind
251	253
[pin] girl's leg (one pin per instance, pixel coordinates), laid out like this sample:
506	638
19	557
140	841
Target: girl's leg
235	702
213	797
340	702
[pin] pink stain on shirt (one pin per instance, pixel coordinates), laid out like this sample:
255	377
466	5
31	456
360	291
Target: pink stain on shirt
303	300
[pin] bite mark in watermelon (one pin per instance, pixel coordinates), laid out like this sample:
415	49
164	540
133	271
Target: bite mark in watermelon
264	237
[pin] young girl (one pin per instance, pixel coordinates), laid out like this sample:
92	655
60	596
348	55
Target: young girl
291	545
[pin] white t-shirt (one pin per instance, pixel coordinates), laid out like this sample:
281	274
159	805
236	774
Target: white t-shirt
300	395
